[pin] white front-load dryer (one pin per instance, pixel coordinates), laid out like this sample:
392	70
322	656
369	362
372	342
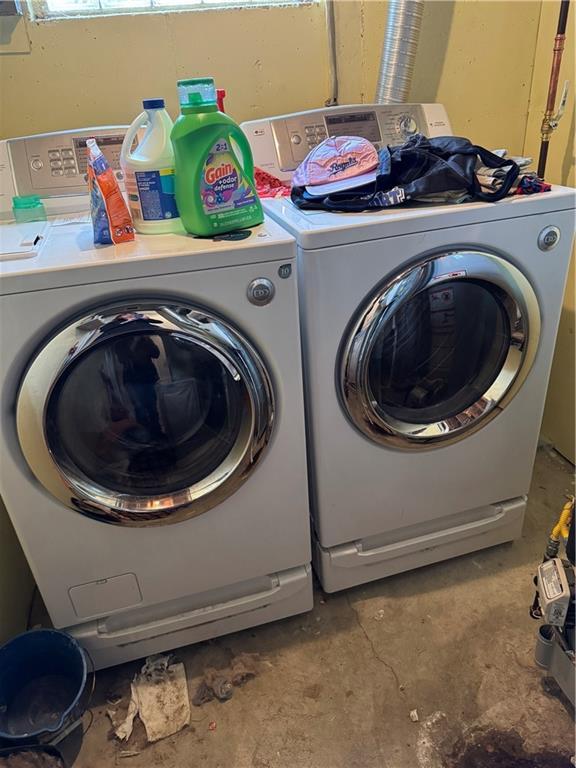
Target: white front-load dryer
428	335
152	442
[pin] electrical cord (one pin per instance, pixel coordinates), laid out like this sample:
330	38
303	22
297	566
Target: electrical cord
332	54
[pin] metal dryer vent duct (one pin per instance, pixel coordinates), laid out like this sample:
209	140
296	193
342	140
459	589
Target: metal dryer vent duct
399	50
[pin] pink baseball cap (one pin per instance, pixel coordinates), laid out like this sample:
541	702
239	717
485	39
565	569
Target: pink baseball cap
338	163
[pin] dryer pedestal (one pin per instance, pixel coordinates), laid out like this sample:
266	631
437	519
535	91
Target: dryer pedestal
357	562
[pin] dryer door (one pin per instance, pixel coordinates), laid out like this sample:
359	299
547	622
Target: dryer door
145	415
439	349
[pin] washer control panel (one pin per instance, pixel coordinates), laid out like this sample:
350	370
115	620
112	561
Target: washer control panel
55	163
280	144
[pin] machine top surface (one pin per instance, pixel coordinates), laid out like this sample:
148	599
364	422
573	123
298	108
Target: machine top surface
45	255
319	229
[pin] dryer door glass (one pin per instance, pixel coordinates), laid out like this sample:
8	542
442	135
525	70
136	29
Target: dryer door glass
149	415
439	352
435	351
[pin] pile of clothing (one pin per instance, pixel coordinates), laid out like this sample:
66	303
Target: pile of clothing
348	173
527	183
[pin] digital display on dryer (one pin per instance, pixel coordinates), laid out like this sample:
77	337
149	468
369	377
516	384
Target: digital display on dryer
363	124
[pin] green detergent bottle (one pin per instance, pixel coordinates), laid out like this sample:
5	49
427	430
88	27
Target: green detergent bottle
215	190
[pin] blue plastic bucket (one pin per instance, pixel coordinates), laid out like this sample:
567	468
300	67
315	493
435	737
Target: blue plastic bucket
43	676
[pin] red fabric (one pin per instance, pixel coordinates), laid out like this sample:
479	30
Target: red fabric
530	185
269	186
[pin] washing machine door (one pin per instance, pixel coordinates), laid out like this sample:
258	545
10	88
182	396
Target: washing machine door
145	415
439	349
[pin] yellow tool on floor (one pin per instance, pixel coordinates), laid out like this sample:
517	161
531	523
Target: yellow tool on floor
562	527
560	533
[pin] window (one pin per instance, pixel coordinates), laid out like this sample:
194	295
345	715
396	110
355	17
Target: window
47	9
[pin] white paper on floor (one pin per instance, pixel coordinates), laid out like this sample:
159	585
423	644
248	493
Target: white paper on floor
124	730
159	696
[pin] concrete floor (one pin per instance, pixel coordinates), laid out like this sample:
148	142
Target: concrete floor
336	686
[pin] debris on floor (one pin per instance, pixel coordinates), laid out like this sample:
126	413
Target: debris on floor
435	733
414	715
114	698
220	683
215	684
159	696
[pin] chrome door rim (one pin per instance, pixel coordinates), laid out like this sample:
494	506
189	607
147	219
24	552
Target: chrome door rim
521	306
200	327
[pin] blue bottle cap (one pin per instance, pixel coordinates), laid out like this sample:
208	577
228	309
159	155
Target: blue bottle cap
153	103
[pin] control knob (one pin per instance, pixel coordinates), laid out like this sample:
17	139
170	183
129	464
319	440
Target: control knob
407	125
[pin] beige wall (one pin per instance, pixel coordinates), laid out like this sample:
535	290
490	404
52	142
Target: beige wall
16	581
96	71
92	72
559	415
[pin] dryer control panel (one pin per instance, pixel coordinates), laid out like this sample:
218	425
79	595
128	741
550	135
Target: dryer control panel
279	144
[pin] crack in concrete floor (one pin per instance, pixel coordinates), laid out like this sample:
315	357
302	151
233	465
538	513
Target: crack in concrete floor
375	653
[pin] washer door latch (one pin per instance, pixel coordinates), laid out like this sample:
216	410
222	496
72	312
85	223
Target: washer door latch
260	291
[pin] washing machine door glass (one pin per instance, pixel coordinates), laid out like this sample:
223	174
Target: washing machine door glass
437	350
147	415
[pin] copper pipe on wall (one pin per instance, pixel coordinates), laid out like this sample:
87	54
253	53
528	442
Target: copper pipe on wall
550	119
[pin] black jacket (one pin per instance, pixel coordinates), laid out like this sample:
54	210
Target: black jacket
416	170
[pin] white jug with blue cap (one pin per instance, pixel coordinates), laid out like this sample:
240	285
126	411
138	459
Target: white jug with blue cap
148	166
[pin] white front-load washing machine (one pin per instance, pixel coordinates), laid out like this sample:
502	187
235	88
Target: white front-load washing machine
152	442
428	335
